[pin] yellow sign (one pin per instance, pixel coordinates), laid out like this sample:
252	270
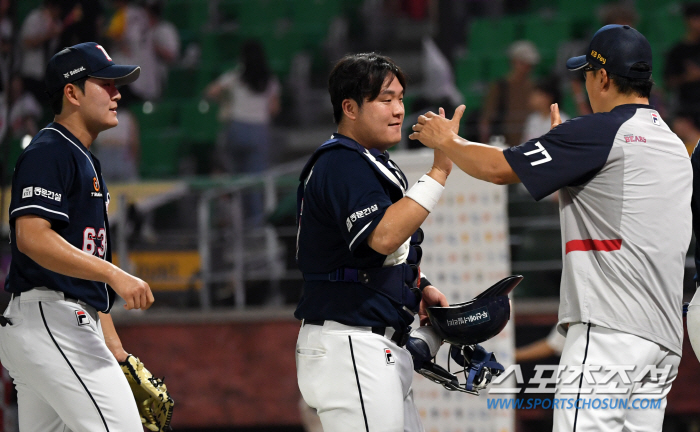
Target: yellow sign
166	270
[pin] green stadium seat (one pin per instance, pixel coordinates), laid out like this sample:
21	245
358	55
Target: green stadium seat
160	150
580	9
198	121
186	15
14	152
23	9
489	35
312	18
498	66
161	114
469	69
547	33
181	83
664	29
658	55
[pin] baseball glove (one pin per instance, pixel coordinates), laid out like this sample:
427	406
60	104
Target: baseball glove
152	398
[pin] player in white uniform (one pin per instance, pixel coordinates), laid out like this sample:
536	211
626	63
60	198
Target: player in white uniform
625	185
57	338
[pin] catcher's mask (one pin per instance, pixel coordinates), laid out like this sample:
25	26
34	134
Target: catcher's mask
477	320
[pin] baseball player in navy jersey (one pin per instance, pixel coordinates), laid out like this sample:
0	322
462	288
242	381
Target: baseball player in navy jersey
359	231
624	182
57	338
693	319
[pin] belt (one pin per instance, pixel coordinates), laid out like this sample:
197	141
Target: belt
66	297
399	338
6	321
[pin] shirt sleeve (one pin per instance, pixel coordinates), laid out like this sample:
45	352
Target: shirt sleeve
568	155
41	185
356	197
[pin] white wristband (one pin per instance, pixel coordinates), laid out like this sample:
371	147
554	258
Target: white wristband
426	192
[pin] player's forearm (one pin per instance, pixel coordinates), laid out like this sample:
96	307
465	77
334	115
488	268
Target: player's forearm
480	161
399	222
38	241
112	338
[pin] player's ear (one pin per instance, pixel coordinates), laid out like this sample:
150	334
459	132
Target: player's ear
70	92
350	108
604	79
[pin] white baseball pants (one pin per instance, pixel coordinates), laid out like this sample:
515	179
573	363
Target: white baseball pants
635	401
66	378
357	380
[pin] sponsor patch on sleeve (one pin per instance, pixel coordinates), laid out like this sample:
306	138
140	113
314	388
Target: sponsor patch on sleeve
355	216
39	192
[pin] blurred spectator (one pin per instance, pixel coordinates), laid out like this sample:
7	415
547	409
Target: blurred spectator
249	97
538	123
159	48
687	129
506	105
682	73
39	41
25	110
583	106
87	23
119	148
127	32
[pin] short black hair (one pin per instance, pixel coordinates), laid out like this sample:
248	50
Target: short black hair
56	99
359	77
634	86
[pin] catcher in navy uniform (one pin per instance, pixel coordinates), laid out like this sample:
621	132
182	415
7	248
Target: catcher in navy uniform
57	338
359	231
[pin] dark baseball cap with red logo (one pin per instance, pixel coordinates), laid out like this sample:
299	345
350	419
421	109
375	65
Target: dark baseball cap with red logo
616	48
85	59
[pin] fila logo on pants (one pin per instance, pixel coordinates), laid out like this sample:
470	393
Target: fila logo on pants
83	318
389	356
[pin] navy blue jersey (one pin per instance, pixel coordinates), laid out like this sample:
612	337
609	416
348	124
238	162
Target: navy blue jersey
695	205
58	179
345	197
570	154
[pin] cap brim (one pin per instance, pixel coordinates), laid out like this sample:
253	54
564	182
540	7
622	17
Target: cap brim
121	74
576	63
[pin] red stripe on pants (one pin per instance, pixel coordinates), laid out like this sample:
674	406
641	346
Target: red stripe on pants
593	245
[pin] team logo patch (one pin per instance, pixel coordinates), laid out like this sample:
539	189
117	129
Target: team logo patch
389	356
655	119
82	317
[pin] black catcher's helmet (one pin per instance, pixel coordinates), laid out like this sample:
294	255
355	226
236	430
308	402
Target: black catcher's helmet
477	320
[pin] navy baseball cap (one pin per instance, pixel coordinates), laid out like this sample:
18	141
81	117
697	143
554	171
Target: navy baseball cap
616	48
85	59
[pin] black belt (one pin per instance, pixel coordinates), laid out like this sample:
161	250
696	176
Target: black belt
399	338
